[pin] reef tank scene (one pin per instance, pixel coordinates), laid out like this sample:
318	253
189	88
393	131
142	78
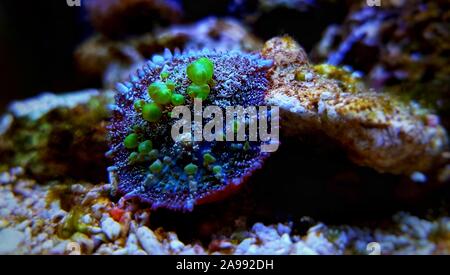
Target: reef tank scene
225	127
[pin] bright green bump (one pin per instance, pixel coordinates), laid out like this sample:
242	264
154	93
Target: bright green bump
191	169
162	96
138	104
197	73
198	91
191	91
177	99
200	71
217	169
156	167
171	85
145	147
133	157
208	158
156	87
153	154
207	63
151	112
164	75
131	141
246	146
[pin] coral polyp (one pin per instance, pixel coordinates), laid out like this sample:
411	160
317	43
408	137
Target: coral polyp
151	166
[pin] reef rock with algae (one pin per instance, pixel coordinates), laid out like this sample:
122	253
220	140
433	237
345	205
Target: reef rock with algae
401	46
57	136
376	129
148	164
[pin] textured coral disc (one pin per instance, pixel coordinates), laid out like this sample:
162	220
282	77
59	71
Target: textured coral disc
150	165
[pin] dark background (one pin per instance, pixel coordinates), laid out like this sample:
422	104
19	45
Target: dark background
37	40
